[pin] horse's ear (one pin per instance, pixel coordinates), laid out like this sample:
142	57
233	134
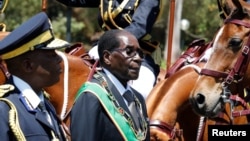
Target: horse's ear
232	7
245	7
226	8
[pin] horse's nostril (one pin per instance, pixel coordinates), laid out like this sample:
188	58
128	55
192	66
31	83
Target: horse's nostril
200	98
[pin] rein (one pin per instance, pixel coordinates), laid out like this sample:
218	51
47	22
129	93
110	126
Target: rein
166	128
65	84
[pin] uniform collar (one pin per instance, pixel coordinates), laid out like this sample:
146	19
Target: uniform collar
30	98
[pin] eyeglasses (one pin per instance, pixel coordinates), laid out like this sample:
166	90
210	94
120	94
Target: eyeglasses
130	51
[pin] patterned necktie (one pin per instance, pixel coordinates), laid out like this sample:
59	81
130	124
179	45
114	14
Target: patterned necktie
44	110
128	95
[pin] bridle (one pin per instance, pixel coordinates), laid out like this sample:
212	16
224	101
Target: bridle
235	75
171	131
239	69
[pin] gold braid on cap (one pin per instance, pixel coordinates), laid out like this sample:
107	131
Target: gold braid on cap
42	38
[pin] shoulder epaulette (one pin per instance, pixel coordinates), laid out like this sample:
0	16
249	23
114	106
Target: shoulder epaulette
46	94
5	88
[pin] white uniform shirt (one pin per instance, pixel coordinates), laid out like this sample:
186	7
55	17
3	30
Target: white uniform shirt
31	98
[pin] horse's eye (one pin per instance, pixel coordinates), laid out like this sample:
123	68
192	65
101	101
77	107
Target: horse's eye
235	43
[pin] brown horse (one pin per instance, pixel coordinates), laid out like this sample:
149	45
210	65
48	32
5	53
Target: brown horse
219	90
168	100
169	108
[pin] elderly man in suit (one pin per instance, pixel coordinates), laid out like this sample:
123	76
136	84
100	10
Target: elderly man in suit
107	108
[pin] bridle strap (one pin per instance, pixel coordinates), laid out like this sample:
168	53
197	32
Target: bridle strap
166	128
237	72
241	63
213	73
238	22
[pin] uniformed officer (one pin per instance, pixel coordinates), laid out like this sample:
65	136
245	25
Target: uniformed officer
25	111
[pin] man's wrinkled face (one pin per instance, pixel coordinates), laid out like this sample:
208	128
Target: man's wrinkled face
125	61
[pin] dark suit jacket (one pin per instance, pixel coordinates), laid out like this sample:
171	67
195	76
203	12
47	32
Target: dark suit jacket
33	123
90	122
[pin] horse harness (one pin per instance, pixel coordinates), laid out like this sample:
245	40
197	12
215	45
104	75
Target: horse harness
193	54
235	75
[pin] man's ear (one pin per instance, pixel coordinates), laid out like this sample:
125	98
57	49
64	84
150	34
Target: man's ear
28	65
106	57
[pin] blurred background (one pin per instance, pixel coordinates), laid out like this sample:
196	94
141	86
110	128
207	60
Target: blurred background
193	19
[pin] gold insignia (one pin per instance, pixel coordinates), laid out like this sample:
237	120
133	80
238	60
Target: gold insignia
121	110
46	94
5	89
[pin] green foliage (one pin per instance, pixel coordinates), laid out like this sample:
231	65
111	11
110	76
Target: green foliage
202	14
60	29
18	11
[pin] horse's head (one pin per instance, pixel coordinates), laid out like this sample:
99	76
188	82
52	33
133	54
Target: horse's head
226	73
168	102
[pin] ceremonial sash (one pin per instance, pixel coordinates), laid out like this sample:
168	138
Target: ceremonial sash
116	114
